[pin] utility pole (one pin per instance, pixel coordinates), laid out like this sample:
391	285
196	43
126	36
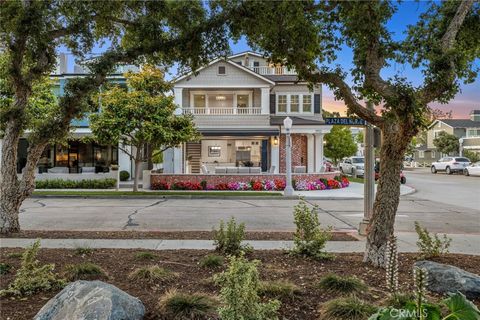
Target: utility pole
369	177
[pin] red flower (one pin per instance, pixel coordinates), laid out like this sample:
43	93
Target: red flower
160	186
279	184
257	186
221	186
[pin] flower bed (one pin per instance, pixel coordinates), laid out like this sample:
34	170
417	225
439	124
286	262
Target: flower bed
267	184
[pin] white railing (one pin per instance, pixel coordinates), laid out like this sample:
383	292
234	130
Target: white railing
223	111
266	70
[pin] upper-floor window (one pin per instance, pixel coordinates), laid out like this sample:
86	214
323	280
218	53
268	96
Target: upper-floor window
473	132
294	103
222	70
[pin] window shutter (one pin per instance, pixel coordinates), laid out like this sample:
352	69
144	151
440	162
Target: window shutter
272	103
316	103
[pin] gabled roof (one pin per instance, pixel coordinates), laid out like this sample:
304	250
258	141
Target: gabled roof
459	123
250	53
236	65
475	112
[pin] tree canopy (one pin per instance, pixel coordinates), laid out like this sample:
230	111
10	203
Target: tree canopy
446	143
339	143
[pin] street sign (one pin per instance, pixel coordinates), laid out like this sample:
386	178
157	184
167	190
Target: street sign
345	121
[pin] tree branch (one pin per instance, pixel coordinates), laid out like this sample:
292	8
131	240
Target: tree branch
448	39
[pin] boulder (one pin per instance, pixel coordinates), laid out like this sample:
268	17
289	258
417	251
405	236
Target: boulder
92	300
443	278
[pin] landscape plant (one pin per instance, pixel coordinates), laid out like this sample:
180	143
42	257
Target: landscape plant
442	44
152	274
83	271
212	261
32	277
446	143
145	255
351	308
278	289
124	175
4	268
471	155
431	245
344	285
309	238
339	143
239	286
184	306
228	239
392	265
107	183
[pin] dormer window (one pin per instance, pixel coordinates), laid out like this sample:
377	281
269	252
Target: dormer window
222	70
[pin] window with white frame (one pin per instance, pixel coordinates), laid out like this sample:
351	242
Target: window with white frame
421	154
434	154
473	132
294	103
222	70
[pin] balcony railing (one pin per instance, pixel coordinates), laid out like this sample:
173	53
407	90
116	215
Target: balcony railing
266	70
222	111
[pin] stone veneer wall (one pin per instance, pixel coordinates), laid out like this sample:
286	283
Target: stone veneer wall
216	178
299	151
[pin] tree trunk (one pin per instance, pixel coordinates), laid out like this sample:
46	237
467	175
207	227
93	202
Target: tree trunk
138	168
381	225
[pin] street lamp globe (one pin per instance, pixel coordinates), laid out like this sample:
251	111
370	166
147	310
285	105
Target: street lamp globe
287	123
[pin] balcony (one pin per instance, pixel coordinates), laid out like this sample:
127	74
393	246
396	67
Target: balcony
223	111
267	70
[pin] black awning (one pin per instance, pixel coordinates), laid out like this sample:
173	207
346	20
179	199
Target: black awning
240	132
278	121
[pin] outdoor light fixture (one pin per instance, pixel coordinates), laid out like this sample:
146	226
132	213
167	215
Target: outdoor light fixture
275	141
220	98
287	123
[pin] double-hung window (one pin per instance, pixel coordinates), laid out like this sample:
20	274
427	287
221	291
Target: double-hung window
294	103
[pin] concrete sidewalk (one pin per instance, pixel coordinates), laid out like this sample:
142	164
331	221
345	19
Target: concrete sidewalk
353	191
462	243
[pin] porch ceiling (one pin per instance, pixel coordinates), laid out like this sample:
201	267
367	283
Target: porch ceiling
240	132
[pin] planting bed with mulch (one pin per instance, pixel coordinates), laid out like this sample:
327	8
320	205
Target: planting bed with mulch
164	235
303	272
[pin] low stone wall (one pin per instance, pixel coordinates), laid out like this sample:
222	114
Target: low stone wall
215	179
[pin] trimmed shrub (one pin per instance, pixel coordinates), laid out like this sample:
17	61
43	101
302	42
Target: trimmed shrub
179	305
309	238
124	175
4	268
32	277
82	251
342	285
229	241
106	183
351	308
239	292
83	271
211	261
152	274
278	289
431	245
145	255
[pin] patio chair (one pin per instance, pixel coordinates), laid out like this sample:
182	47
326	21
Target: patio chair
299	169
204	169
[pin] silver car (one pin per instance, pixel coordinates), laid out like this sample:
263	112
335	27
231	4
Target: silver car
353	165
450	164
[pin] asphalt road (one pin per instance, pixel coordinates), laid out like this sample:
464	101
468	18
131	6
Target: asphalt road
455	189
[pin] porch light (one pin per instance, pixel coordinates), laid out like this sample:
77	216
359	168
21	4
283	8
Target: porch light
287	123
220	98
275	141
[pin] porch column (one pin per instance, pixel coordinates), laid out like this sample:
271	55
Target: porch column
265	100
275	156
310	153
318	152
178	152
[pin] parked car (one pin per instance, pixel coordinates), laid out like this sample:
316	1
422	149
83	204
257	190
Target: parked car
472	170
450	164
353	165
403	179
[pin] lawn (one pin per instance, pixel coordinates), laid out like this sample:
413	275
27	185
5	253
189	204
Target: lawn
191	276
158	193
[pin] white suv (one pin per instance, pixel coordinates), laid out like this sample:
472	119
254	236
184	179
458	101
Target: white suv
450	164
353	165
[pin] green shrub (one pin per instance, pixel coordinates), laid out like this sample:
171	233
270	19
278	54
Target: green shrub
83	251
431	245
83	271
4	268
279	289
211	261
239	292
178	305
400	300
81	184
145	255
32	277
152	274
124	175
351	308
229	241
309	238
14	255
341	285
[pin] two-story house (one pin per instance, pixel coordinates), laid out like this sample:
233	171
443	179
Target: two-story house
466	130
239	104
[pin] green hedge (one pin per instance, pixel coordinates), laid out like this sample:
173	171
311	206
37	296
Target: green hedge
81	184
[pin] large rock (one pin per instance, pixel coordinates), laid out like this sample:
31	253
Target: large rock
92	300
443	278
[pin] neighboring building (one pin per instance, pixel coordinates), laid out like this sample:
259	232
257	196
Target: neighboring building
239	104
466	130
360	145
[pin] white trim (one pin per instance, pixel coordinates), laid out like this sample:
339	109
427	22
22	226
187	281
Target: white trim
437	121
250	53
201	86
300	103
231	63
225	69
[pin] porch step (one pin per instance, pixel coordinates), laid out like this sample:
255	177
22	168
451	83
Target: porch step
194	150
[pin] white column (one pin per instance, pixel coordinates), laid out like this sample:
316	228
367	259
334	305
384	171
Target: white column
265	100
275	156
124	162
318	152
168	161
178	152
310	153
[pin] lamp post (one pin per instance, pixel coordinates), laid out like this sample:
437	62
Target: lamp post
287	123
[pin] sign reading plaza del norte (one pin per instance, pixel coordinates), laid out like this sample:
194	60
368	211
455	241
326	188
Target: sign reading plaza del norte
345	121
